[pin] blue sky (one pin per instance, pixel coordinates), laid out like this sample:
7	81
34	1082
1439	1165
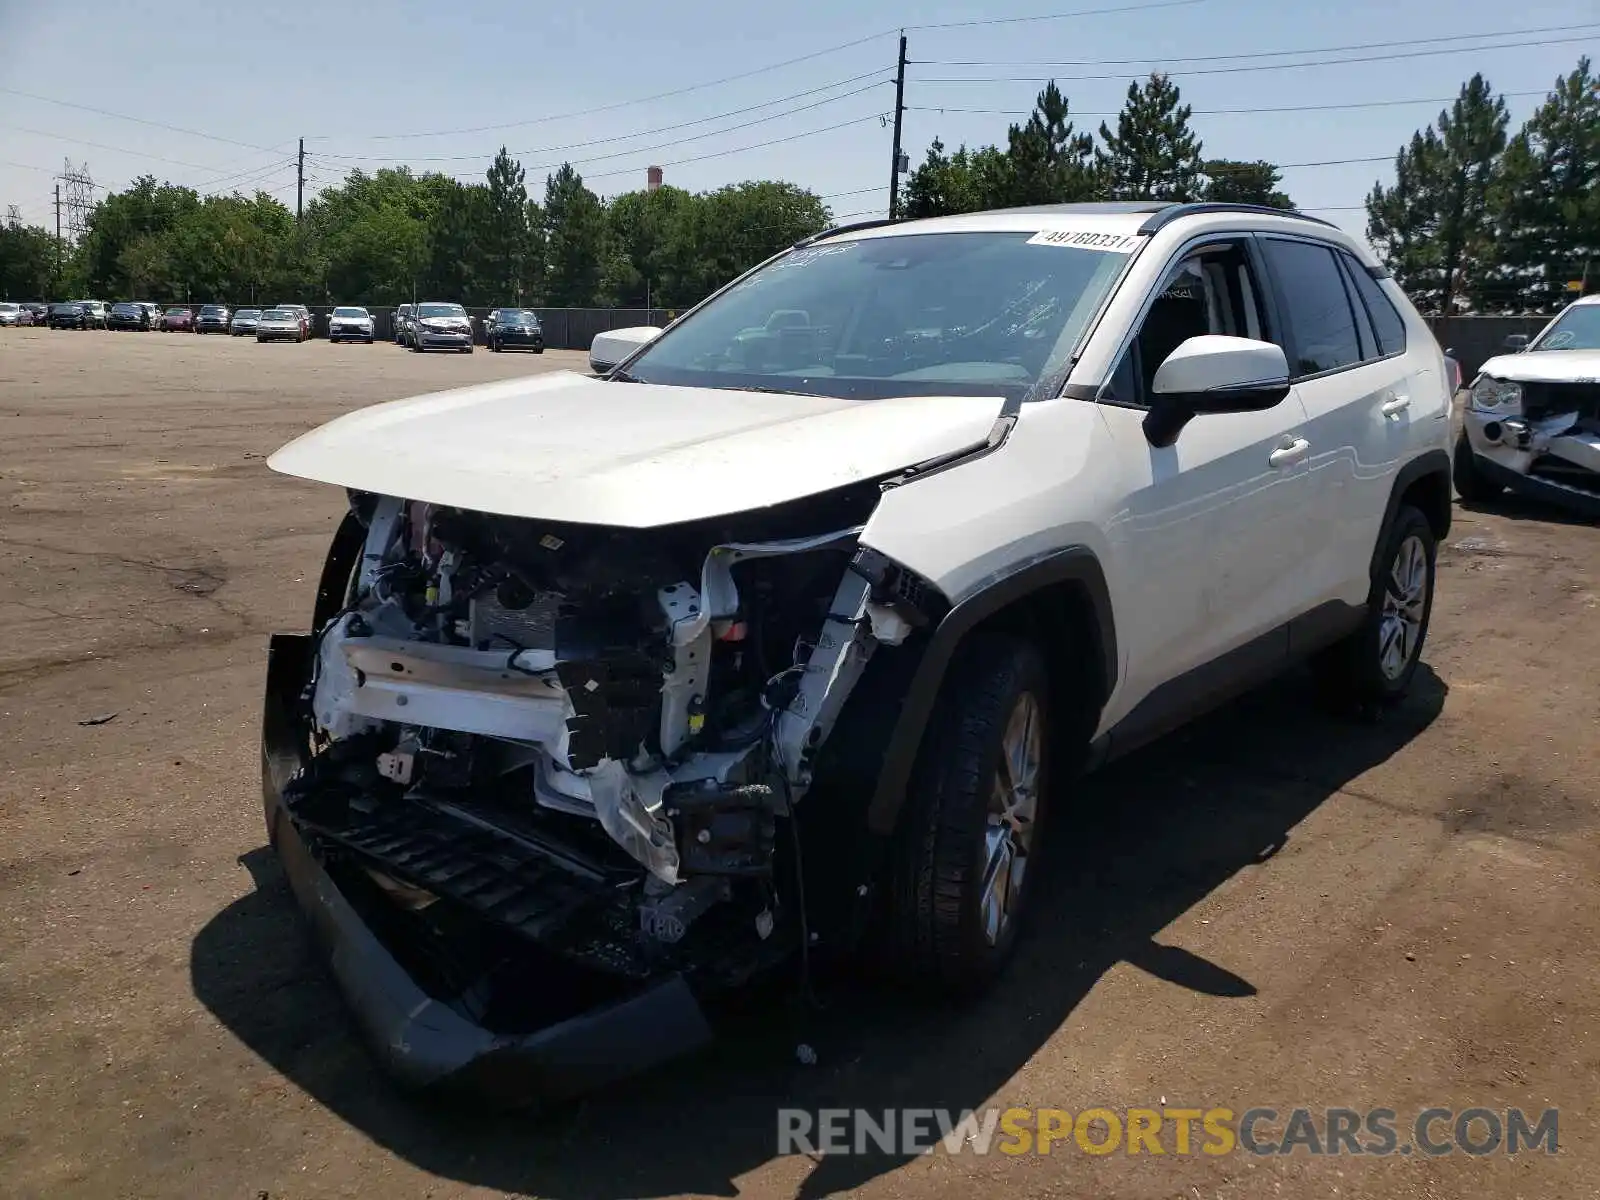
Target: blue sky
347	76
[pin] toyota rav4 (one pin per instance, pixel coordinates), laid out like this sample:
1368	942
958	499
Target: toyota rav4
792	631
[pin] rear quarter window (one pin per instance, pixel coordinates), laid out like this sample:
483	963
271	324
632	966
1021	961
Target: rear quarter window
1387	323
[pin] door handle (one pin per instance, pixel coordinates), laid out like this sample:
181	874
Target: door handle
1395	405
1287	456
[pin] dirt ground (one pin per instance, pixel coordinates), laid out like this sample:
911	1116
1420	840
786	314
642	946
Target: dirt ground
1271	909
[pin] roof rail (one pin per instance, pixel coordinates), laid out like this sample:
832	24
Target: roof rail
1172	212
836	230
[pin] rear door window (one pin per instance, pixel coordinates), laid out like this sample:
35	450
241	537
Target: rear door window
1321	324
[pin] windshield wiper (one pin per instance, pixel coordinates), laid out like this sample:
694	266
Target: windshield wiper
622	377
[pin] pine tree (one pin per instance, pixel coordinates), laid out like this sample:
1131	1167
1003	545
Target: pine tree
1244	182
574	239
1403	220
507	220
1545	201
1050	161
1472	134
1153	155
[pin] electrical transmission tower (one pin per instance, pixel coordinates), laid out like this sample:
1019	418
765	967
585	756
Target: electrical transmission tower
77	199
13	216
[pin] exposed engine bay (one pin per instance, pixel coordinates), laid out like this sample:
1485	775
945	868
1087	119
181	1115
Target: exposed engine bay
596	739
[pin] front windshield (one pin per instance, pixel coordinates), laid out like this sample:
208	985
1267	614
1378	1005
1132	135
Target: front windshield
986	313
177	312
349	312
213	309
248	312
441	310
517	318
1576	329
278	314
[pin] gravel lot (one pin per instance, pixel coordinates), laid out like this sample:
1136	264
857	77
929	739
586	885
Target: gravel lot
1271	909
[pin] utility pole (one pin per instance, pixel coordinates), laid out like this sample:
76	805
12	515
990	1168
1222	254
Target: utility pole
58	235
300	182
896	165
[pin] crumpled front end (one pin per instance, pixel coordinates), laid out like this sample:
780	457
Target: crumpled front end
1538	438
537	783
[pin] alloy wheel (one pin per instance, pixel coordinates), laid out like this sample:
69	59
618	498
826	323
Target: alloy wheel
1013	806
1405	596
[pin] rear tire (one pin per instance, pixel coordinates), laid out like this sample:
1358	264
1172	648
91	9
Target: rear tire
965	859
1374	665
1470	483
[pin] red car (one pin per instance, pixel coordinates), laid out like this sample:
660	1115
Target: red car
177	320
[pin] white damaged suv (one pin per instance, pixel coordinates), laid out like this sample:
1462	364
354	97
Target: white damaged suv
790	632
1532	418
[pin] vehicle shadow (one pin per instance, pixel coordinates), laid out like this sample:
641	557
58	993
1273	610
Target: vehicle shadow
1148	838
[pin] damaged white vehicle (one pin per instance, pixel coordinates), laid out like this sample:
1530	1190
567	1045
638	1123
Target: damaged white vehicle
784	636
1532	419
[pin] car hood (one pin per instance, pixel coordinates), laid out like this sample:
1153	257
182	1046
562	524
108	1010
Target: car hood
1546	366
565	447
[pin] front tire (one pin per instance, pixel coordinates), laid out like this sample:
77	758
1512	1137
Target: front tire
1374	665
964	863
1470	483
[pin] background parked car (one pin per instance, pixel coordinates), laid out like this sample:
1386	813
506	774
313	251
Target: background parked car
440	325
39	311
280	325
244	321
301	311
68	314
514	329
125	314
95	313
350	324
212	318
402	322
154	310
10	314
177	320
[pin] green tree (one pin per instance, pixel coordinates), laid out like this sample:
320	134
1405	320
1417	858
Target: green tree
575	235
1153	155
1050	162
1243	182
506	226
1544	203
966	181
1403	220
1433	226
1472	134
27	261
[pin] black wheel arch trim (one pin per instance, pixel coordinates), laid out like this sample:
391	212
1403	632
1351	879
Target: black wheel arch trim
1431	462
1073	564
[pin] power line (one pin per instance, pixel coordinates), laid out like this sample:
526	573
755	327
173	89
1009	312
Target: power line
1085	12
1331	62
787	62
1225	112
794	137
77	141
1131	62
878	82
106	112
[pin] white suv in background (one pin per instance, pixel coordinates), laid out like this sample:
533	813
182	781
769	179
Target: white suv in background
868	552
1532	419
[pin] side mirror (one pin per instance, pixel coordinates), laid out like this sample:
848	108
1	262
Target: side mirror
1214	374
1516	342
611	347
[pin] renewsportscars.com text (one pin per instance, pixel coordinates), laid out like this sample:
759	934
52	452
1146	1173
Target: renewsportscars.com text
1378	1132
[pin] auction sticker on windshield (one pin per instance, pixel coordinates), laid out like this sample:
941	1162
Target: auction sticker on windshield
1084	239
